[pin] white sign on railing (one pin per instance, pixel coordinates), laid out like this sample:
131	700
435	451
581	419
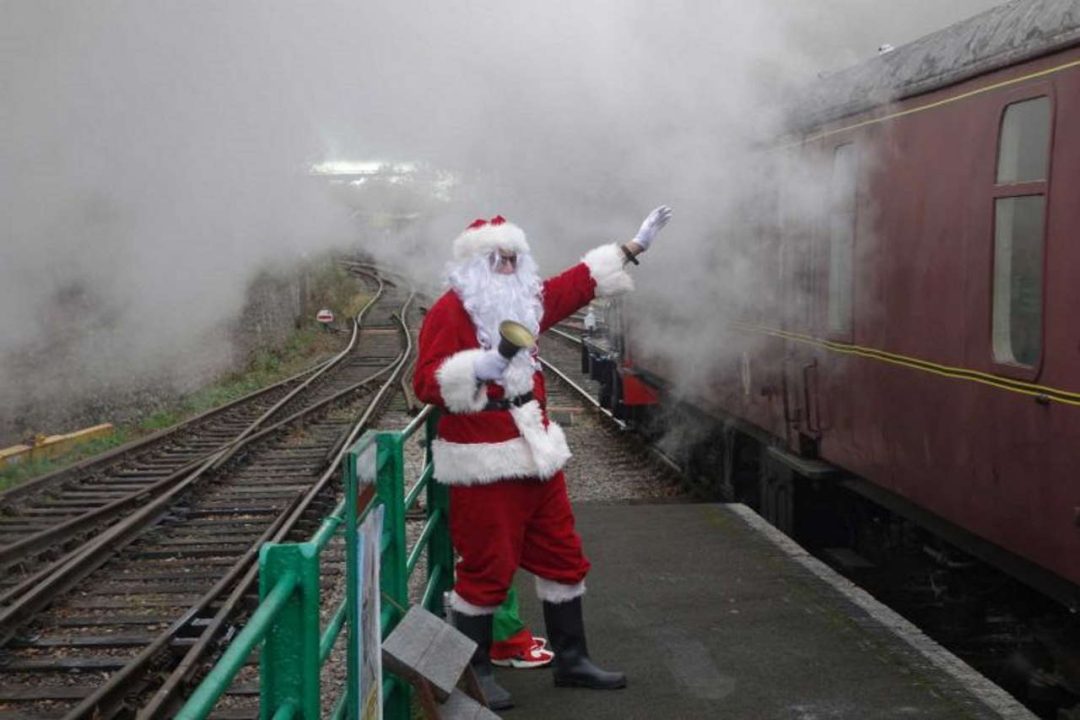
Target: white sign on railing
369	637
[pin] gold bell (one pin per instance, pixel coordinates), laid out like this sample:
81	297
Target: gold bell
514	337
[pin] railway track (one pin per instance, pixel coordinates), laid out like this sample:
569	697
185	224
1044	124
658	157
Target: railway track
609	464
49	514
119	624
42	515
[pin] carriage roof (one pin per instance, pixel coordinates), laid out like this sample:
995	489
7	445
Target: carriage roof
1000	37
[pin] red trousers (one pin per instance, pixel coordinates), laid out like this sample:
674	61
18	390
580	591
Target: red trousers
500	526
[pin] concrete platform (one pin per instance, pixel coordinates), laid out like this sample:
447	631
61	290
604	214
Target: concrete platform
714	614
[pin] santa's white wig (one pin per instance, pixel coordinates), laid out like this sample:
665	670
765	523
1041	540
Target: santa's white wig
490	297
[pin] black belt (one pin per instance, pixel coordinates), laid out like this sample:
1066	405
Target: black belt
507	403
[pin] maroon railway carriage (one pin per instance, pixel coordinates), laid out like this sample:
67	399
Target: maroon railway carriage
937	362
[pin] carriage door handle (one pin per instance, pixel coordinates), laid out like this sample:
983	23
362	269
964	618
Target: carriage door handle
813	423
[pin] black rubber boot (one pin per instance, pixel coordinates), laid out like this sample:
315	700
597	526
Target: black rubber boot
572	666
478	629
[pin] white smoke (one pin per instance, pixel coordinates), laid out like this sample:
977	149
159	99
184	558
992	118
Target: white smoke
154	153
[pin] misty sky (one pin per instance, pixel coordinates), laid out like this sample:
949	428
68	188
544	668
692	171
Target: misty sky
153	154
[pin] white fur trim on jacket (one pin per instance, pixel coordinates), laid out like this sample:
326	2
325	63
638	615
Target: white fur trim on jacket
458	384
548	444
538	453
519	376
490	238
463	606
555	592
481	463
606	267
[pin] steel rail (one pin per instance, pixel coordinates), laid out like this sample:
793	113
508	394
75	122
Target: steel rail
176	680
583	392
658	454
565	335
77	565
357	322
334	453
165	696
31	583
32	544
10	495
108	698
16	552
59	577
57	533
250	637
38	591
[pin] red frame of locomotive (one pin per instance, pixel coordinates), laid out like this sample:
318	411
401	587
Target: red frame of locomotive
912	400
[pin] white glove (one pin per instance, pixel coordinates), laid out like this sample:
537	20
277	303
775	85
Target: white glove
490	366
657	219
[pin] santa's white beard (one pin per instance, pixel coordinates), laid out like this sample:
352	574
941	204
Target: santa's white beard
490	298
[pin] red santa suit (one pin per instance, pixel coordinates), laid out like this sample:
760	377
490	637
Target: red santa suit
497	448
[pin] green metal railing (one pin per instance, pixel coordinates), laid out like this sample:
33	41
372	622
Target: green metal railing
286	621
379	456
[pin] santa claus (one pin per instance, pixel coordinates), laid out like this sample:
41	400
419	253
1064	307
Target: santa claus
497	449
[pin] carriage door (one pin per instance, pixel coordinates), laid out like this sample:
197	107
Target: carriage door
820	243
799	225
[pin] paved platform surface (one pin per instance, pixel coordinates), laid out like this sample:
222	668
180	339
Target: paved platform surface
714	614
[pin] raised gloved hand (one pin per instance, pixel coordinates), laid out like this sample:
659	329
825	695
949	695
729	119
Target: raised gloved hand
657	219
490	366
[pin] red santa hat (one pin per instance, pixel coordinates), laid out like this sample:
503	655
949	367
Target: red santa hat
485	236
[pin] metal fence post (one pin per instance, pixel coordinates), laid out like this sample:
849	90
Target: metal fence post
390	489
289	664
352	560
440	550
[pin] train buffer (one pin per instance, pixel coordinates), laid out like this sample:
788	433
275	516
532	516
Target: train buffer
712	613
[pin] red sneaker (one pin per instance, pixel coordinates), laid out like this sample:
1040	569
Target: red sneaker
521	651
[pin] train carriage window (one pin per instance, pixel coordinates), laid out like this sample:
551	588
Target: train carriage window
1019	232
841	237
1025	137
1018	262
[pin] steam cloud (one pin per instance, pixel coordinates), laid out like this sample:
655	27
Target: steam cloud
154	153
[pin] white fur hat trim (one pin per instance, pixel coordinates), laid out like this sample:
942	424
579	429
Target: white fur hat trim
485	236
